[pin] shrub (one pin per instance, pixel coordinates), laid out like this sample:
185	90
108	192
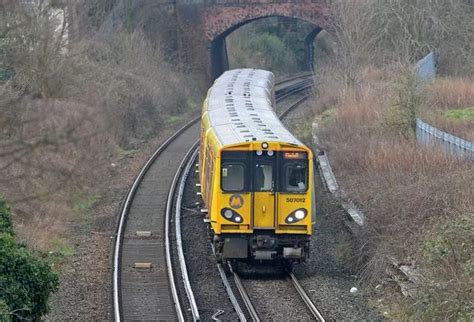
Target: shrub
403	189
448	289
32	44
4	312
26	281
405	106
5	219
265	45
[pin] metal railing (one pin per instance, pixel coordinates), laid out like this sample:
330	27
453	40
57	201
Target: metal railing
427	134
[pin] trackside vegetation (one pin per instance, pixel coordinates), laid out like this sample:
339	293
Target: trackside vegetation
417	199
26	280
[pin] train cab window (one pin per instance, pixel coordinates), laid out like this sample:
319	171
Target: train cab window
263	180
295	177
233	176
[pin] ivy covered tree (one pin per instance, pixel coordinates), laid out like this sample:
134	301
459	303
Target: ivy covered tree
6	226
26	281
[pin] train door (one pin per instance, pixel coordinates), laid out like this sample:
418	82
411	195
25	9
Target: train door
264	185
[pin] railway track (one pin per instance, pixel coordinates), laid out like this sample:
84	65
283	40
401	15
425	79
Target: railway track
252	310
144	285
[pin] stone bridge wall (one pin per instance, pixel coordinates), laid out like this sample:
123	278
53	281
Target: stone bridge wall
197	28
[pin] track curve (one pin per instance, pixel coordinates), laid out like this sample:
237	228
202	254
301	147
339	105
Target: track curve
144	292
141	286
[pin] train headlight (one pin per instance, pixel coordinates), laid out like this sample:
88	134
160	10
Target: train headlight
264	145
299	214
295	216
228	214
231	215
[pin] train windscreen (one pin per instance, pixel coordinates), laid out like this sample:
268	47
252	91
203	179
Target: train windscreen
294	172
246	171
234	171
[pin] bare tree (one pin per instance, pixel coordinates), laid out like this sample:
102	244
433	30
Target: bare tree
377	32
33	37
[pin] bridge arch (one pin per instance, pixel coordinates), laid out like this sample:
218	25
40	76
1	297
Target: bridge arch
202	26
220	21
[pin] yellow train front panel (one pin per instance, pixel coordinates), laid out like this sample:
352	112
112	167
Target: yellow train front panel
256	177
265	194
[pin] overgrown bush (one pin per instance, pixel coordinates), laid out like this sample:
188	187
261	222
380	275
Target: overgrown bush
6	226
4	312
26	281
405	105
33	44
402	187
418	200
378	33
273	44
129	77
60	132
447	288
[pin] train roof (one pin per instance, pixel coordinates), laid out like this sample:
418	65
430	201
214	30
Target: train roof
240	108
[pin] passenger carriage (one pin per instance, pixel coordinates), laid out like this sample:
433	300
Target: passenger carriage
256	177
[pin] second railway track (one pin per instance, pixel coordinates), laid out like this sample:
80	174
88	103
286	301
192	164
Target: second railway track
143	286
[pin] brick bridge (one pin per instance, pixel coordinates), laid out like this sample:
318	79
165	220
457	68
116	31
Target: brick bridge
199	27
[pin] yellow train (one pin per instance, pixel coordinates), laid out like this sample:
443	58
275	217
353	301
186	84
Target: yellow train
256	177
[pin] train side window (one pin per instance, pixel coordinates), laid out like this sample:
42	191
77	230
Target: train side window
233	176
295	176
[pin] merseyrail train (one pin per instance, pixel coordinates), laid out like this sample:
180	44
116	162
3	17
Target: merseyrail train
256	178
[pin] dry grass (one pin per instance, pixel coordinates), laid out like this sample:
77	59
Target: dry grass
448	94
402	187
115	93
62	148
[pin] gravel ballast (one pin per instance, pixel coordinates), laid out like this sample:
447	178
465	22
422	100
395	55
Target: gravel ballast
205	280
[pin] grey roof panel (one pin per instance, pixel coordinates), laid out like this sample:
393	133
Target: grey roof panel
240	108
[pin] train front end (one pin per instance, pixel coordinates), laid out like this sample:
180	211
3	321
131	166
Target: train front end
263	205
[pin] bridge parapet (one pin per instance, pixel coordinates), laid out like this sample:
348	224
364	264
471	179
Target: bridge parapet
197	28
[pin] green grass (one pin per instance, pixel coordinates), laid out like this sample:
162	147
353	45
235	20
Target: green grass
461	114
302	129
173	119
59	253
122	154
61	247
326	118
82	204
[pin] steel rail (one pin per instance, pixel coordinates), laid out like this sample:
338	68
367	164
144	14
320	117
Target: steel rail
292	78
296	88
240	287
294	105
228	288
244	295
305	297
169	263
125	207
188	160
123	218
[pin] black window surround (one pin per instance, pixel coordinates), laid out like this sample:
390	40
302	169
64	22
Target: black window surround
288	175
